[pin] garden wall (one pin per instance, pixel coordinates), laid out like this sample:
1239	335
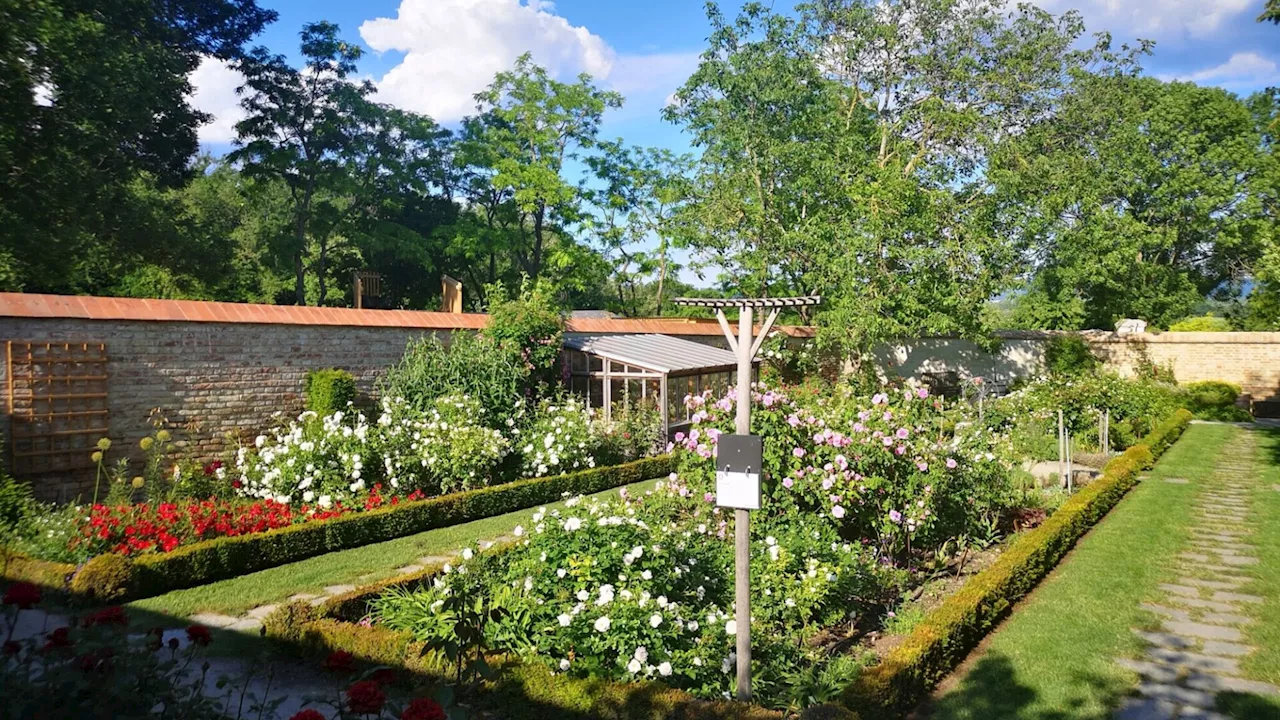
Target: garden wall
217	369
1248	359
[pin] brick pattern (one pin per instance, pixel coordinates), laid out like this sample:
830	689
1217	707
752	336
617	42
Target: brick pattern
1250	360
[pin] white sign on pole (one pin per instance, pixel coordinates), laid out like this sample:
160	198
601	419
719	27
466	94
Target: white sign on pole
738	460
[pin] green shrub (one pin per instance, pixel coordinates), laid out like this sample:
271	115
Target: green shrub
1204	323
288	622
328	391
15	503
1215	400
105	578
472	365
1069	355
945	637
529	327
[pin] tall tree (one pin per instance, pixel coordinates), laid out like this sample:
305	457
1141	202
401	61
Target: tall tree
844	152
1271	12
1139	198
529	126
93	101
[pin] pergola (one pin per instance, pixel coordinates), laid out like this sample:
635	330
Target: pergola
606	369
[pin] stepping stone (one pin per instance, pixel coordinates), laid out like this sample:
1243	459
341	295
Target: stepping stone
1166	640
1201	630
338	589
1213	584
214	620
408	569
261	611
434	560
1196	661
1155	672
1223	572
1276	488
1140	708
1194	557
1236	597
1219	618
1175	694
1173	613
246	625
1214	544
1200	714
1177	481
1196	602
1221	683
1238	559
1228	649
302	597
1182	590
317	601
1146	709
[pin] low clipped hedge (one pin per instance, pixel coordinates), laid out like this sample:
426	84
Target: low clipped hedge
227	557
939	643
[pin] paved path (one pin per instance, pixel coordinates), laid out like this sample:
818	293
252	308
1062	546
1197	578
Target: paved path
1195	652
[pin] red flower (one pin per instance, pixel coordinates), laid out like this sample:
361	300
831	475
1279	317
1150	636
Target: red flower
107	616
308	714
340	661
365	698
423	709
22	594
236	484
199	635
212	467
59	638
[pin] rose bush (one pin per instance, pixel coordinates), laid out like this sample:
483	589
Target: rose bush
641	587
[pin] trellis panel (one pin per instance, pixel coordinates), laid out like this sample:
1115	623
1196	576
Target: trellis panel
57	405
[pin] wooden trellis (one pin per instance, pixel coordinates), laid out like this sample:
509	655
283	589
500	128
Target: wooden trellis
57	404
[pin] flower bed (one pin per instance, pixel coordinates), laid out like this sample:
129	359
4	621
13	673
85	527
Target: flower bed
205	561
884	689
859	493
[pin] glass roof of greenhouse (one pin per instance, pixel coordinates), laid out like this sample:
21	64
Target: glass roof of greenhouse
660	353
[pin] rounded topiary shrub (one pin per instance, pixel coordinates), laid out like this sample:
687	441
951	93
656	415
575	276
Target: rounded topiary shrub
106	578
286	623
828	712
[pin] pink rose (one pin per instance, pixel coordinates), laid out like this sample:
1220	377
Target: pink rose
798	452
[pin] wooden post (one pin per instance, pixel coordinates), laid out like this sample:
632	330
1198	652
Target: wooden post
358	284
1062	453
742	518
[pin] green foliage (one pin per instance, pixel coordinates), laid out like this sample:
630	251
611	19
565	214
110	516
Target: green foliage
328	391
15	503
287	623
1215	400
947	635
471	365
1069	355
1203	323
104	578
1144	214
529	327
446	450
98	96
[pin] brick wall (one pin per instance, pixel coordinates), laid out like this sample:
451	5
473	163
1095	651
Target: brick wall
210	380
1248	359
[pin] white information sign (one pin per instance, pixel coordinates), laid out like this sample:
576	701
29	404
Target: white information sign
739	490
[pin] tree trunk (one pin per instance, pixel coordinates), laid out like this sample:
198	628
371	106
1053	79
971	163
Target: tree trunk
662	275
535	265
320	269
300	248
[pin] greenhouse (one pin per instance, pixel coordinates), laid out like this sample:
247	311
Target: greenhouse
654	369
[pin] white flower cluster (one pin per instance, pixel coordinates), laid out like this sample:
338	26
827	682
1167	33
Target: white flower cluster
559	441
313	459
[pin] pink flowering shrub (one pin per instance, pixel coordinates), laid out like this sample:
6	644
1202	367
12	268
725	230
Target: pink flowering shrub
890	470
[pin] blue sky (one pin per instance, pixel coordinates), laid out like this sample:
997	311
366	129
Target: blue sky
432	55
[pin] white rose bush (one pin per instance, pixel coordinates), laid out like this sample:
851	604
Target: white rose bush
860	493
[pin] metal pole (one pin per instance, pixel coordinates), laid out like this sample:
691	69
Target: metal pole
1062	454
742	518
1070	472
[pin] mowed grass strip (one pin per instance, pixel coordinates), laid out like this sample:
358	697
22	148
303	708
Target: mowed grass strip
1054	656
348	567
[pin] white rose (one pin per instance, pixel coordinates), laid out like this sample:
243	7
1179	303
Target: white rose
602	624
634	666
664	669
564	619
731	627
655	620
564	664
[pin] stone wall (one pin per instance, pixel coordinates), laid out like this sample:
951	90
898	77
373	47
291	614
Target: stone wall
1250	360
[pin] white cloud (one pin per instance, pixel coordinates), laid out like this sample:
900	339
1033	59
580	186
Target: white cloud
453	48
214	86
1242	70
1154	19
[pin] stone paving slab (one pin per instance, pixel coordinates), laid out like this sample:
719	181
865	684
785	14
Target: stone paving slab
1213	584
1177	481
1176	694
1225	618
1155	672
1201	630
214	620
338	589
1146	709
1226	649
1223	683
1172	613
1195	602
1196	661
1236	597
1166	640
261	612
1200	714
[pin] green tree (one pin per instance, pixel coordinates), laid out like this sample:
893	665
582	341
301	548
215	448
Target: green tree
1138	198
528	126
94	119
1271	12
844	153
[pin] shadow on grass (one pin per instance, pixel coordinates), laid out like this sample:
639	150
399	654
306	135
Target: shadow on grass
991	691
1272	437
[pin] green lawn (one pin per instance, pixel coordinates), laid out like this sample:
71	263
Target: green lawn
348	567
1053	658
